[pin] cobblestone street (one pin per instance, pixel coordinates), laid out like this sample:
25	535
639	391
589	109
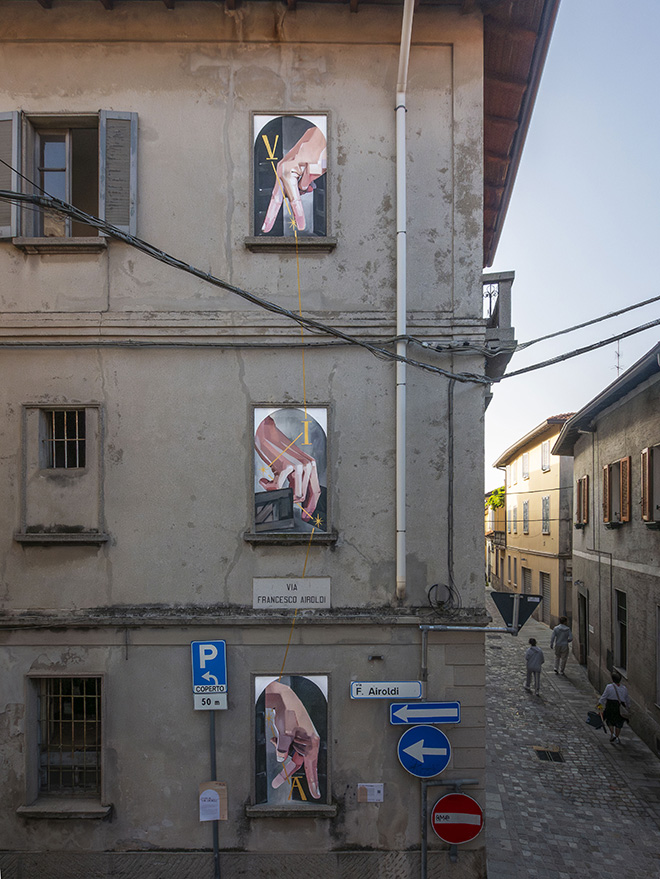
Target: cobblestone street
594	814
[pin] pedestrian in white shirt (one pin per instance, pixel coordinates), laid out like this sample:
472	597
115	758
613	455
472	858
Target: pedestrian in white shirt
560	639
534	659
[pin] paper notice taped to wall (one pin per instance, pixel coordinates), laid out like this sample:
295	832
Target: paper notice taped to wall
213	801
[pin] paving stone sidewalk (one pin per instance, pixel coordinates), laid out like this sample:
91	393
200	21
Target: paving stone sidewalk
596	815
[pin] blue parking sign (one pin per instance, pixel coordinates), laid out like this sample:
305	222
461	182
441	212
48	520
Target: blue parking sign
209	674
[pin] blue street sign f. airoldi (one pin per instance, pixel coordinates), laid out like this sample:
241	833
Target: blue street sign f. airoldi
209	674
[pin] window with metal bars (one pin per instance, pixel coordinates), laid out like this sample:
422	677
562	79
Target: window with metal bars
70	736
64	438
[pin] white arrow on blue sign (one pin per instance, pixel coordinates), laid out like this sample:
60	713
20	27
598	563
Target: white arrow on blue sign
209	674
424	751
425	712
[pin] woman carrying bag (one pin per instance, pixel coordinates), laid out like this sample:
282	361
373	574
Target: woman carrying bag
616	700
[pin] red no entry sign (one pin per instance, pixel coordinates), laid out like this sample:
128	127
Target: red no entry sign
457	818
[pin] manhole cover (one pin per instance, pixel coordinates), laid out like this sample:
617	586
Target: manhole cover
549	755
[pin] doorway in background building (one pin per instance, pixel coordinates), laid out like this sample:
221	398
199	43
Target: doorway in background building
544	582
583	628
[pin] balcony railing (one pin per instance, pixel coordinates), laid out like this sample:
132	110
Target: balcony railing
497	314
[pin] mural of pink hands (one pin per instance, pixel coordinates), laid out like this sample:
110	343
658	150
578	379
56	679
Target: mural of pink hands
296	173
296	740
290	462
291	739
290	168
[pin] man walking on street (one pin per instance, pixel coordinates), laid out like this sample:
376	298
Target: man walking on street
561	638
534	659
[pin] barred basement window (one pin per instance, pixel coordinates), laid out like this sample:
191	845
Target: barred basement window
70	736
63	438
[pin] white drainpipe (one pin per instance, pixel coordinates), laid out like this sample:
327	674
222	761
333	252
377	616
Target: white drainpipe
401	305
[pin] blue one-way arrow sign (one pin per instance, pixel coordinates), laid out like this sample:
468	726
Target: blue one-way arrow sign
424	751
425	712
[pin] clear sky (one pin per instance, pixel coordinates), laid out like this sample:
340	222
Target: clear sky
582	230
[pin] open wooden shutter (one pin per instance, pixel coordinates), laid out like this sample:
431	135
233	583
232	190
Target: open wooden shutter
118	169
607	493
647	492
624	476
10	131
585	499
578	502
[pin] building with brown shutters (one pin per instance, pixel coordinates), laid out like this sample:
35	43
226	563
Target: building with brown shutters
614	441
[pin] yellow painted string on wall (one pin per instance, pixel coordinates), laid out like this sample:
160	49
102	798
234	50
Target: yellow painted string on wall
294	226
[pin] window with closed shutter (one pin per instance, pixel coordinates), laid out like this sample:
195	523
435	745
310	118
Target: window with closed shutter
624	491
545	514
582	501
545	456
525	465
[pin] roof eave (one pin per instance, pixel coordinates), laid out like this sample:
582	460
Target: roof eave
645	367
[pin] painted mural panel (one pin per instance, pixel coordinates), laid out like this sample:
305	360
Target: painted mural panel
290	165
291	739
290	469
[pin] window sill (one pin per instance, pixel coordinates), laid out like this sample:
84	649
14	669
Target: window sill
64	807
306	244
295	538
50	537
302	811
93	244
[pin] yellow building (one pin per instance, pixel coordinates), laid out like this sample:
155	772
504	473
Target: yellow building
495	527
536	556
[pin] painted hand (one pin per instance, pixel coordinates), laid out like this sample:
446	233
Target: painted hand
288	463
297	741
296	173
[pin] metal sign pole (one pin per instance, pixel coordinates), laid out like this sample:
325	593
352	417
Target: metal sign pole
516	613
214	777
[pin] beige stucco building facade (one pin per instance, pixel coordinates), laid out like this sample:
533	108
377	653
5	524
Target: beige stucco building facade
196	430
536	557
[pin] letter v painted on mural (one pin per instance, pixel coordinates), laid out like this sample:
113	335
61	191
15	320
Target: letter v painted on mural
270	150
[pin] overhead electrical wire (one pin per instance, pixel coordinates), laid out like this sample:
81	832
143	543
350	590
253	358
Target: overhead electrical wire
584	350
588	323
56	204
47	202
